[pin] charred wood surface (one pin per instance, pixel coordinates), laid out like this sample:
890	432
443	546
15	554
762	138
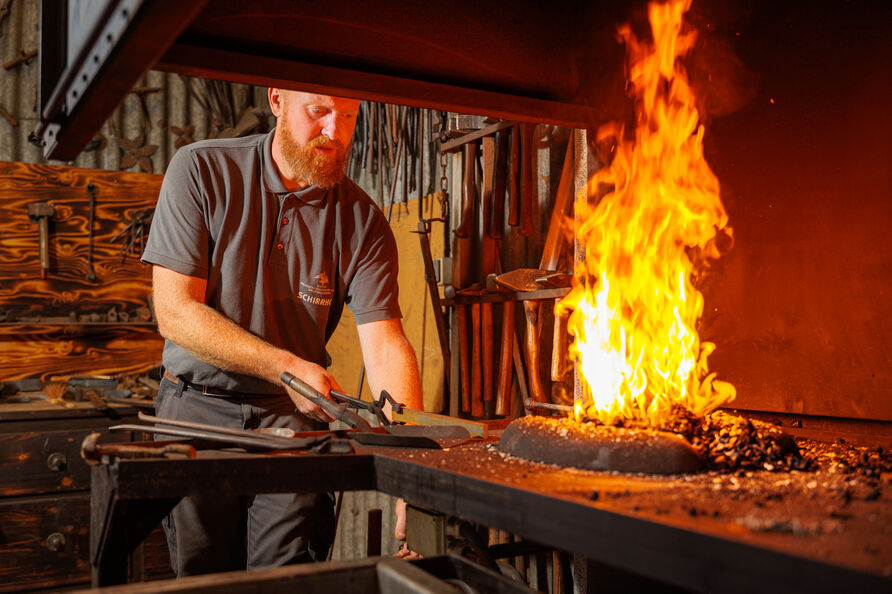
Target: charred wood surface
68	324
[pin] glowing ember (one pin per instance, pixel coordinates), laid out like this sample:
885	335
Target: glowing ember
634	306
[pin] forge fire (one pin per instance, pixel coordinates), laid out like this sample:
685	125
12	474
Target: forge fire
651	222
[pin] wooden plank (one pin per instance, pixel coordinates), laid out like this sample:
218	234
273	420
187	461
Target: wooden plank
41	350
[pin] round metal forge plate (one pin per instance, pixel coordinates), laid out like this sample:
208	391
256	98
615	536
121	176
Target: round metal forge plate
598	447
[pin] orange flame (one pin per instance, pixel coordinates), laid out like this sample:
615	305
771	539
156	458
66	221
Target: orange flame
634	306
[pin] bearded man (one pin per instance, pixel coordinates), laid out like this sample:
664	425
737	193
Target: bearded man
257	244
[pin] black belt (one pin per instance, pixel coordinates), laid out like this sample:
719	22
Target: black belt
219	392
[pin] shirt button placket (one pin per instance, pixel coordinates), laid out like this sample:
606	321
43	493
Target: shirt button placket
280	245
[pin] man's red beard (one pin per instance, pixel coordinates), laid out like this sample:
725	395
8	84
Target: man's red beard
320	168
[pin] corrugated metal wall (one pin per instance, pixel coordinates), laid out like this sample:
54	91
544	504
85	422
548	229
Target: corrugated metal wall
172	104
168	104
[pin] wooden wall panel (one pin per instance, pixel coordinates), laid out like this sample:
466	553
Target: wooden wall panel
112	334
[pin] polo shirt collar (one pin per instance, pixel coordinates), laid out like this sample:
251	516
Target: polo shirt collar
273	183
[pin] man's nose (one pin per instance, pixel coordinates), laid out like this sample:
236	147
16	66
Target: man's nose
337	128
331	127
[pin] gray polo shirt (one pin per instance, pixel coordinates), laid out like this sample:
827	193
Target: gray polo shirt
280	264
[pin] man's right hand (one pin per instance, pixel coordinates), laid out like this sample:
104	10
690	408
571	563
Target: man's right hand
319	379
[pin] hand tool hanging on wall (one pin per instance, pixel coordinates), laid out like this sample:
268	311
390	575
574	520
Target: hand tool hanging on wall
476	380
23	58
487	330
400	151
523	280
8	117
464	358
4	12
490	264
469	190
134	233
503	392
431	280
513	173
497	225
551	257
41	213
529	166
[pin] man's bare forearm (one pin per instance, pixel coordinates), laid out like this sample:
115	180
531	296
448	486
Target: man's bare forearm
390	362
217	340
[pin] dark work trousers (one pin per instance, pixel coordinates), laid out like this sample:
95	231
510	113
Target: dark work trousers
211	531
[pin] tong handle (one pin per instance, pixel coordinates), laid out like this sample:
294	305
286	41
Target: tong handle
334	409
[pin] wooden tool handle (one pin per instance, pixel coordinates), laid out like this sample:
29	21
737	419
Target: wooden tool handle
527	179
513	172
497	226
476	383
559	366
488	157
537	389
465	367
469	190
503	401
488	347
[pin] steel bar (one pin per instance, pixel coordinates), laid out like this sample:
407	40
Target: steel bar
496	296
266	442
420	417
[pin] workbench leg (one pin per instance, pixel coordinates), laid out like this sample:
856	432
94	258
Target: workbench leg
117	527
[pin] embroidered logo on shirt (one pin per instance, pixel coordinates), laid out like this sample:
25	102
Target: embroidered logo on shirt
318	293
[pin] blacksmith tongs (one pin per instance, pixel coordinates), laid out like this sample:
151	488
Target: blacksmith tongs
412	436
374	407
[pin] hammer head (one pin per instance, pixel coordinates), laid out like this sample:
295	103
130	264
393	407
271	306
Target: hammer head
38	210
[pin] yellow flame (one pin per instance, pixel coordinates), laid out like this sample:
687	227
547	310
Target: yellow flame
634	307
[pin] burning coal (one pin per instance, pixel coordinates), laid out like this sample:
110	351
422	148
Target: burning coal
648	225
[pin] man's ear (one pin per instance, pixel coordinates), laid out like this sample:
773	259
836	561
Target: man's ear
276	101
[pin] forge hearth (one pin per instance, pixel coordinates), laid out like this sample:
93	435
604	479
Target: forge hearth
684	443
599	447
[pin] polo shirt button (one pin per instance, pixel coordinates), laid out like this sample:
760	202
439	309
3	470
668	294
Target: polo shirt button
284	220
280	246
